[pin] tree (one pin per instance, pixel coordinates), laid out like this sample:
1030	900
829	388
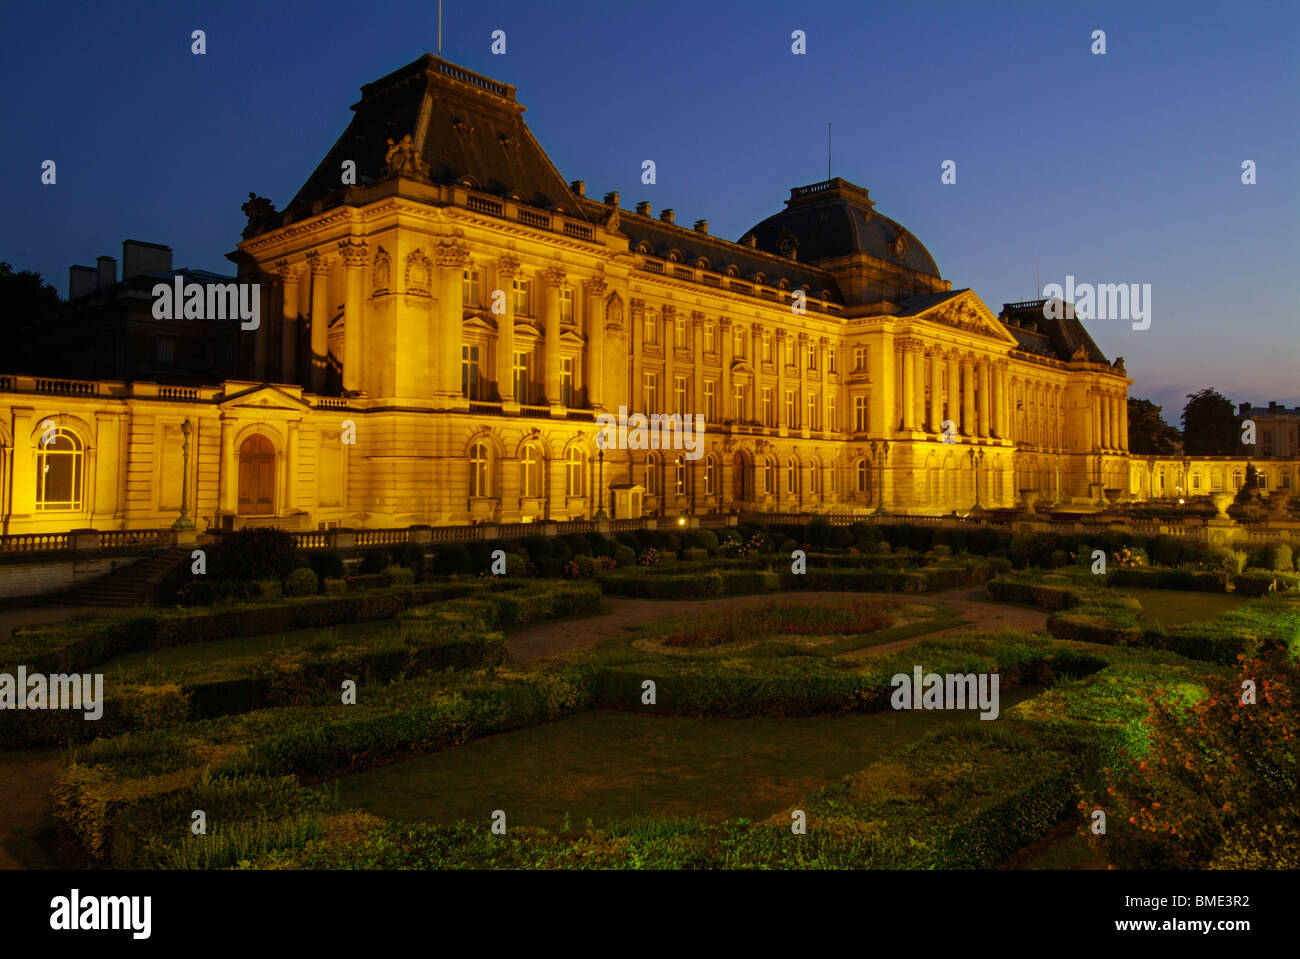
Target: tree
24	298
1148	433
1209	425
1248	486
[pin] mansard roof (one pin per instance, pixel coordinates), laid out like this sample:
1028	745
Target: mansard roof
1058	338
466	126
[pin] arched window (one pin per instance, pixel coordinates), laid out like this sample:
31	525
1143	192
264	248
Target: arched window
679	474
792	475
576	472
59	465
815	479
710	476
478	471
530	473
864	476
769	476
652	475
1236	479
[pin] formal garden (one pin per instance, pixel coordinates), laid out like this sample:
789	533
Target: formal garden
370	711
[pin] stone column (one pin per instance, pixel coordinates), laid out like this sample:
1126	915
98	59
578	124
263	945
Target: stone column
936	388
554	279
289	321
636	402
909	386
228	471
320	318
353	253
670	365
1115	411
1000	399
780	379
262	334
968	396
724	401
882	398
594	290
697	374
291	470
1123	422
507	268
23	458
918	375
1104	403
801	405
984	398
821	359
450	258
954	390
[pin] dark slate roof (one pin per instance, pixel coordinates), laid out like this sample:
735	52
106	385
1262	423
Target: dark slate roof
1057	338
690	245
466	125
835	218
923	301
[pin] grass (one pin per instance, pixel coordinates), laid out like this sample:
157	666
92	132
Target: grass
1170	607
616	767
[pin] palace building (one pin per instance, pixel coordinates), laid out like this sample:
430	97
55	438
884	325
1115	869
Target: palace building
443	316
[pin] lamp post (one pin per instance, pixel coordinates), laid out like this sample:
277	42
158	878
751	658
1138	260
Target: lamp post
183	522
977	458
600	492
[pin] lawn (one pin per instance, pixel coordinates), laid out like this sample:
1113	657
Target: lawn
607	766
1170	607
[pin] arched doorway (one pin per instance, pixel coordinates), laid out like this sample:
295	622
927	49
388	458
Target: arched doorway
256	476
739	478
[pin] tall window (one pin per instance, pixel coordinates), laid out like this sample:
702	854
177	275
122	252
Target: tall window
566	380
864	476
812	411
738	341
521	378
566	306
709	402
59	466
830	361
530	473
679	475
789	409
767	347
1261	478
523	295
767	406
652	474
679	332
769	476
1236	480
651	328
789	351
651	390
859	414
859	359
679	394
815	479
832	422
812	356
738	401
710	476
792	475
710	339
469	280
478	470
575	471
469	372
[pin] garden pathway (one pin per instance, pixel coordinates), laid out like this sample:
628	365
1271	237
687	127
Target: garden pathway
548	639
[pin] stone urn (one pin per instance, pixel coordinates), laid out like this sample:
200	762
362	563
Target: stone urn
1112	497
1278	503
1221	503
1030	496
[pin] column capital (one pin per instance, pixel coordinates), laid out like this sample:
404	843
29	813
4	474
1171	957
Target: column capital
803	338
449	253
553	276
289	272
823	341
1002	365
508	266
595	286
781	334
669	312
934	351
353	252
725	324
317	263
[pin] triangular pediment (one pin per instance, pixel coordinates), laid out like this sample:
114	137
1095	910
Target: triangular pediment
572	338
261	396
967	312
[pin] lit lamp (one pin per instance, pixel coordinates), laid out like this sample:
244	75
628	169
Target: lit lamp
183	522
977	459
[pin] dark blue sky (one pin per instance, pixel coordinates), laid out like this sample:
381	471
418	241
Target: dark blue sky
1117	168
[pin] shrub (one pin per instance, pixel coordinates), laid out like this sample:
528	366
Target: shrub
1166	550
375	561
981	541
672	542
578	544
400	576
1204	582
1260	583
695	555
411	557
301	582
707	539
1278	557
253	554
601	545
624	556
327	564
818	532
451	559
1033	549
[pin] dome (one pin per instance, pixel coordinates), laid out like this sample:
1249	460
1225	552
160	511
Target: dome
835	218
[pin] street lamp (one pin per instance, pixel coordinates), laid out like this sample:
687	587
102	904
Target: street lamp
977	458
600	480
183	522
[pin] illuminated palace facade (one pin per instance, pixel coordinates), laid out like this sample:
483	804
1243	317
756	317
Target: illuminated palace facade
443	316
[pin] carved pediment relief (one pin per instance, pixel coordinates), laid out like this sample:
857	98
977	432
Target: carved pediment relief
264	397
967	313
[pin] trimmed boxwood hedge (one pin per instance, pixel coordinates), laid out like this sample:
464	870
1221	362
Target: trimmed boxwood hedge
1185	579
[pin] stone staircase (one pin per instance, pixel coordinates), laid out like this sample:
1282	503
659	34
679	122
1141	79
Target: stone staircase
131	585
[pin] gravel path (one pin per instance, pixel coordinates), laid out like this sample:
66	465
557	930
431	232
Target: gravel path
548	639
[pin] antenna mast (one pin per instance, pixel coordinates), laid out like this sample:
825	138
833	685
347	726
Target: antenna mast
439	27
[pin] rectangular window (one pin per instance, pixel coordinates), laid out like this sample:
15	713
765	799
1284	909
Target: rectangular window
767	407
738	401
767	347
469	287
831	422
679	394
523	296
860	414
830	361
469	372
679	332
789	351
651	328
710	343
520	371
566	306
166	350
738	341
789	409
812	356
709	403
1262	479
859	359
566	380
651	393
812	411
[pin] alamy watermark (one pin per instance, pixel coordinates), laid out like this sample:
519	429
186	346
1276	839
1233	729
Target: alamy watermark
208	301
60	691
659	431
924	690
1104	301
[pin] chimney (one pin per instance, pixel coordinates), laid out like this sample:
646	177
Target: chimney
701	226
643	208
612	198
82	280
666	216
140	257
1243	409
1272	404
107	269
578	187
750	240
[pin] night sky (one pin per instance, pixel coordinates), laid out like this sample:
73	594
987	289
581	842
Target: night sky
1117	168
